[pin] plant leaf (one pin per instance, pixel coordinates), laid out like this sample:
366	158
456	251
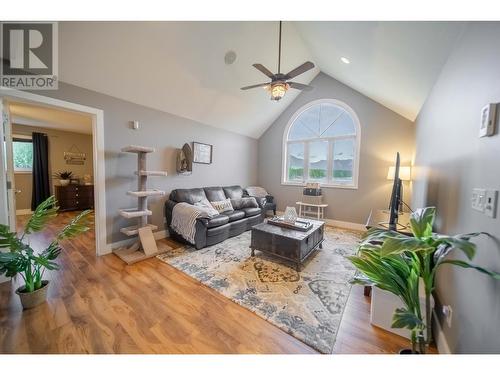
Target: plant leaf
43	213
403	318
77	226
399	245
421	222
464	264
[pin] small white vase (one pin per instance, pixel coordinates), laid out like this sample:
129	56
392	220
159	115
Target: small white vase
64	182
290	215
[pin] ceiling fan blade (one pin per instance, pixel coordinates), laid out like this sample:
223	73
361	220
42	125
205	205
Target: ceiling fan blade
300	86
264	70
254	86
299	70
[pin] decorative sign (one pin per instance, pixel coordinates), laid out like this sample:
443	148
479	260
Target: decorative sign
202	153
75	158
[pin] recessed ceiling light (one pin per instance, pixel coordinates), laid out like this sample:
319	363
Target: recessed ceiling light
345	60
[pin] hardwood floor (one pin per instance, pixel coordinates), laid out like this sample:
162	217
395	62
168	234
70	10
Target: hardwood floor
101	305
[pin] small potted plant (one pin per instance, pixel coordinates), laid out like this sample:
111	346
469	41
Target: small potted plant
64	177
23	260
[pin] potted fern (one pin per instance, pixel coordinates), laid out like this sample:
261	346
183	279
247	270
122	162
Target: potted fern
425	252
23	260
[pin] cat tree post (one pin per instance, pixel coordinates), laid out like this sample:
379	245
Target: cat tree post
145	246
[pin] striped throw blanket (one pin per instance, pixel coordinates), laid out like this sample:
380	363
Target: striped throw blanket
184	217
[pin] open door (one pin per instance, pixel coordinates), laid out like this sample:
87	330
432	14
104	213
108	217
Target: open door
7	188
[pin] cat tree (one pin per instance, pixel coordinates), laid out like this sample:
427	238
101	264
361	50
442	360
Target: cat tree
145	246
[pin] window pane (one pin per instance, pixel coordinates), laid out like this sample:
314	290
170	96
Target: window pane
23	155
306	125
343	157
295	162
318	160
329	114
344	125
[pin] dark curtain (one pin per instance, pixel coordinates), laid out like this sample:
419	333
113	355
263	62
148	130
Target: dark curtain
41	186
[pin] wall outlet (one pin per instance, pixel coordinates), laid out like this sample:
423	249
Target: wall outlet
447	313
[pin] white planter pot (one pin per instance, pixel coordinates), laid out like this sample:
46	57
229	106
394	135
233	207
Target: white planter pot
64	182
383	305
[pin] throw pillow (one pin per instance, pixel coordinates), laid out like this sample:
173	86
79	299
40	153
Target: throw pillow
205	205
223	206
245	202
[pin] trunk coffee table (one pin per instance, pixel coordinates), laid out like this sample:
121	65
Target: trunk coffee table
289	244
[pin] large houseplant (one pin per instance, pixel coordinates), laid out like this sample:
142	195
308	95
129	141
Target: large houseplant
22	259
425	251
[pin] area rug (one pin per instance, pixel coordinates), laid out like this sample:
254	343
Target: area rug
308	305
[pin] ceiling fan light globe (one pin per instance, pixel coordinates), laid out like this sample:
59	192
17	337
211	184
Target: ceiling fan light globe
278	91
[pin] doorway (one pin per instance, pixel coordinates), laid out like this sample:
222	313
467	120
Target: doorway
75	138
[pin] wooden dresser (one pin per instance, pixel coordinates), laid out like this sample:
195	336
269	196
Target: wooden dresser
75	197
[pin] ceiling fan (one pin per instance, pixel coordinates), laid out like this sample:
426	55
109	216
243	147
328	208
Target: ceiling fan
280	82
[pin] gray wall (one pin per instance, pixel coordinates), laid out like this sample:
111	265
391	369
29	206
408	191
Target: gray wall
383	133
451	161
59	142
234	156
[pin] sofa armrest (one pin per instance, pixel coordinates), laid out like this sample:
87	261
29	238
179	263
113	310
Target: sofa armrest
269	198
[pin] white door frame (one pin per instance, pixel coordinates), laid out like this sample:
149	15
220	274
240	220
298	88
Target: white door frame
98	149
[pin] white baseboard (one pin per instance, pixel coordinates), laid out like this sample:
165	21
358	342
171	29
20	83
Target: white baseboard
338	223
25	211
439	337
158	235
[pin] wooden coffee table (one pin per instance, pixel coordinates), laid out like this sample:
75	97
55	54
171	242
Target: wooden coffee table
289	244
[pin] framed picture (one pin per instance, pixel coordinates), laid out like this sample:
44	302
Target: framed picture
202	153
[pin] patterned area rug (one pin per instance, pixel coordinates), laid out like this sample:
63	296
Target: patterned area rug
307	305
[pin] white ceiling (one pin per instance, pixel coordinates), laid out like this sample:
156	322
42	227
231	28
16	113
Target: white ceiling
51	118
394	63
178	67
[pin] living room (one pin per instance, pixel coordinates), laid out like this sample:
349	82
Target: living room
312	179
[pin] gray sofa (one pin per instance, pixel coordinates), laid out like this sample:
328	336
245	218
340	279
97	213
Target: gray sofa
219	228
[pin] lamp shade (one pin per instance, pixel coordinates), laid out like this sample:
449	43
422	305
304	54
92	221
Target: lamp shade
404	173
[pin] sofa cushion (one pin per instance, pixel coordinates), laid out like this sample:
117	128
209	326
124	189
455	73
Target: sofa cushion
205	205
233	192
245	202
252	211
190	196
222	230
215	193
217	221
234	215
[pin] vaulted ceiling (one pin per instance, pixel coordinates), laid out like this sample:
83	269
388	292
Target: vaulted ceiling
179	67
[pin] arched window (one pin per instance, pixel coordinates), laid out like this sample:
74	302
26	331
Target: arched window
321	144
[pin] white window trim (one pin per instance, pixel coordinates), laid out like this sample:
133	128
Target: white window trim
18	170
357	145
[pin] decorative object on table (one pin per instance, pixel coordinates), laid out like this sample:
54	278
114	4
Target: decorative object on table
279	85
308	306
74	181
145	246
184	163
75	156
87	179
290	215
22	259
64	177
408	259
312	189
302	225
202	153
307	210
74	197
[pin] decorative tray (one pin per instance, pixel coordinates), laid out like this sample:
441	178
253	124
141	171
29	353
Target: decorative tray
302	225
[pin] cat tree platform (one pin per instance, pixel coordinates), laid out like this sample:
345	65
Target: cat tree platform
145	246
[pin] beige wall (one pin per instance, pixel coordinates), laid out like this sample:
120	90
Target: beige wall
383	133
59	142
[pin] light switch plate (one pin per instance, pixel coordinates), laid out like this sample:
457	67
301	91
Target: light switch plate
490	205
478	199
